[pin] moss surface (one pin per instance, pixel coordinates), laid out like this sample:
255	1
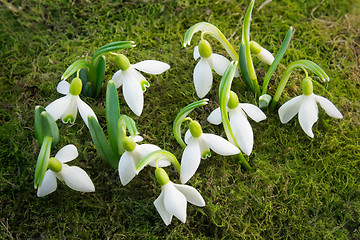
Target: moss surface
299	188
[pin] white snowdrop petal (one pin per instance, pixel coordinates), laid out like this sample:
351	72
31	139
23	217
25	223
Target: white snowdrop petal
253	111
67	153
133	94
190	160
137	138
126	168
220	145
203	78
289	109
151	66
118	78
328	106
146	149
196	53
191	194
85	111
219	63
160	207
187	136
58	107
308	114
242	131
174	201
63	87
265	56
48	184
77	179
215	117
204	147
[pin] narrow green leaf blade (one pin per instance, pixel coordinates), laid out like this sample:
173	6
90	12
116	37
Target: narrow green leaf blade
100	73
243	68
101	143
42	162
112	116
45	125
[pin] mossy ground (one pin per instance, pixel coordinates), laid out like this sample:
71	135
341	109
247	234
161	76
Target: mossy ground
299	188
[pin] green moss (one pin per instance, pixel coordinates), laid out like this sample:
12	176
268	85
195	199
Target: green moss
300	188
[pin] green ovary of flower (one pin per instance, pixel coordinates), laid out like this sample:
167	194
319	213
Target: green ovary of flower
205	49
75	86
54	165
122	61
233	100
195	129
129	144
307	86
255	47
161	176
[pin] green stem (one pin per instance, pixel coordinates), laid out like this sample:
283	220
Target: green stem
285	77
156	156
277	60
182	116
243	162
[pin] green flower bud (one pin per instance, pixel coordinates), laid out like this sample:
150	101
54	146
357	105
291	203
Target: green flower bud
161	176
307	86
75	86
54	165
195	129
122	61
129	144
255	47
205	49
233	100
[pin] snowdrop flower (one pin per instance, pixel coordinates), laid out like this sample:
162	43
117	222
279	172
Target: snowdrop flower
203	77
239	124
76	178
261	53
66	107
307	108
133	82
133	155
198	146
174	197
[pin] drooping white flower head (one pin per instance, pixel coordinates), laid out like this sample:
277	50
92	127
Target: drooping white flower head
76	178
306	106
198	146
133	82
240	126
133	155
174	197
203	77
261	53
67	107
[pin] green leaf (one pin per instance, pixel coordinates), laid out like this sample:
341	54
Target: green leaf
243	68
155	156
42	161
100	73
181	116
112	116
101	143
277	60
246	42
208	28
75	66
45	125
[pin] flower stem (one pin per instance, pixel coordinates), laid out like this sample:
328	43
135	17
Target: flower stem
285	77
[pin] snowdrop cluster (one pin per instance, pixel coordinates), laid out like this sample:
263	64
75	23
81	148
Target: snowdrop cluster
123	150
